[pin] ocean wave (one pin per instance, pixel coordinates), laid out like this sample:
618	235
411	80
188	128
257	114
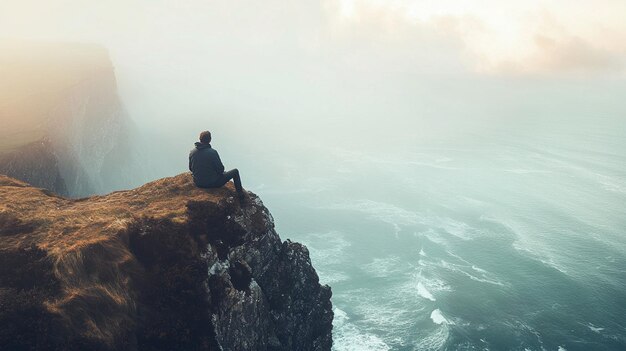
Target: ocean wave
434	341
399	217
480	270
543	257
331	277
423	292
594	329
327	251
348	337
326	247
433	237
427	287
459	269
394	308
388	315
438	318
608	183
484	276
384	267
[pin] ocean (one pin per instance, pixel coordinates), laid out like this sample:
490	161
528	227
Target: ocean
511	239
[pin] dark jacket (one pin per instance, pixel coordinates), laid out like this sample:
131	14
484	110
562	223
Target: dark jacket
205	164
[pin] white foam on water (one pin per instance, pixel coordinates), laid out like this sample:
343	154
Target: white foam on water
485	276
438	317
384	267
399	217
390	314
423	292
348	337
422	253
458	229
561	348
544	257
608	183
340	317
594	329
392	308
327	250
434	341
327	247
428	285
433	237
457	257
459	269
480	270
531	245
330	277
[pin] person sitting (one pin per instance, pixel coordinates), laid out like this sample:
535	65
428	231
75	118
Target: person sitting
207	168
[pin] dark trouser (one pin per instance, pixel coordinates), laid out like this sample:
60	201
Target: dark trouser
232	174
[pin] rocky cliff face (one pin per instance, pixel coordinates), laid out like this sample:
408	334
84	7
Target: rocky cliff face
65	95
166	266
35	163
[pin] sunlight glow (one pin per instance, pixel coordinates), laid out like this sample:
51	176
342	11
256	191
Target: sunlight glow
522	36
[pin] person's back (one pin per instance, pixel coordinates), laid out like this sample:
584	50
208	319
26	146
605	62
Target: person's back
205	165
207	168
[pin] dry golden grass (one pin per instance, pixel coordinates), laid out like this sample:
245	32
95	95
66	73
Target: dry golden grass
88	245
68	224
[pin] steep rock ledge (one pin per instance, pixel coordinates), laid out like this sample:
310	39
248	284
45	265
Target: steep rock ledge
165	266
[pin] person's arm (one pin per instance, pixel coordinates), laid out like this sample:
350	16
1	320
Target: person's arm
190	161
218	163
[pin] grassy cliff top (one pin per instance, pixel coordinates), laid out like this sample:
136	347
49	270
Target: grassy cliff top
85	265
59	224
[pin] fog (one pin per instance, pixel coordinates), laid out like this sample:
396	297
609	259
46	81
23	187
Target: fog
345	73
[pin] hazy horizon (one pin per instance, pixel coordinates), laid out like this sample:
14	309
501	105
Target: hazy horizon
346	67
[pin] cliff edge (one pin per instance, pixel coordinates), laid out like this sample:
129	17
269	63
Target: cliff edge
165	266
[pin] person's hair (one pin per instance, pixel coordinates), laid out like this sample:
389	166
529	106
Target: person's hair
205	137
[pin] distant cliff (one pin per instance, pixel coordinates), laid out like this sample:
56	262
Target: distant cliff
35	163
166	266
64	97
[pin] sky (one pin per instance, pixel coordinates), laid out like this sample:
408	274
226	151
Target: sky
486	36
510	37
345	69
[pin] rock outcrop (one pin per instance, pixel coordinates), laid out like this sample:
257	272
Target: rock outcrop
165	266
64	96
35	163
